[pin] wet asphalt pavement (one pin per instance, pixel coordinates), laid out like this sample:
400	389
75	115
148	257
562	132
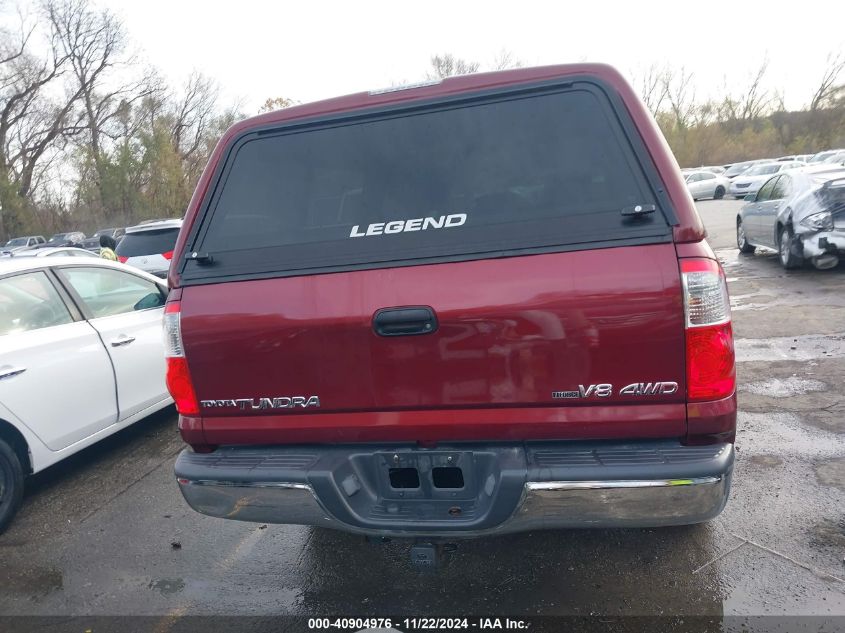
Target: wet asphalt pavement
107	532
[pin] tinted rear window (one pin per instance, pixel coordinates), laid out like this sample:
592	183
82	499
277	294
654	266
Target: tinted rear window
147	242
480	180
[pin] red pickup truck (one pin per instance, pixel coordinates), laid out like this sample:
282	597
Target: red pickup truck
474	306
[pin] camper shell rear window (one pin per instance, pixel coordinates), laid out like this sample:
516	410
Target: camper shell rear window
490	176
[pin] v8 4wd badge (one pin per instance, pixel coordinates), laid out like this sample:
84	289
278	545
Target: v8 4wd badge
604	390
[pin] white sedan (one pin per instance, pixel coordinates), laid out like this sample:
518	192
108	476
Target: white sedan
706	184
81	356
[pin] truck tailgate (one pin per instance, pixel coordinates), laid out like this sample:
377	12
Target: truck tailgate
517	345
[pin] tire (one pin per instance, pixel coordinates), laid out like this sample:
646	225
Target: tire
786	239
720	193
11	484
741	241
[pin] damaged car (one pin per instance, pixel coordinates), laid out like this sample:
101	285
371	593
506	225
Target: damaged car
801	214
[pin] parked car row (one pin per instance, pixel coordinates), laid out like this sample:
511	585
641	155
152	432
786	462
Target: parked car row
147	246
70	238
800	213
746	177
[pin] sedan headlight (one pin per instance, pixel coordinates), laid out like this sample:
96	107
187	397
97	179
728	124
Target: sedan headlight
821	221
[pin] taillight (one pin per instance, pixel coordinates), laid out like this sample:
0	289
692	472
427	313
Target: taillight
122	259
167	255
178	378
711	368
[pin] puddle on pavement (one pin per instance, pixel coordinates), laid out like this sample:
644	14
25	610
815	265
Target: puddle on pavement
832	473
167	587
33	581
766	461
783	388
830	533
742	307
728	256
731	258
790	348
784	435
748	611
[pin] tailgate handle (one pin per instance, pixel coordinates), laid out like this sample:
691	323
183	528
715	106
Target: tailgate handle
405	321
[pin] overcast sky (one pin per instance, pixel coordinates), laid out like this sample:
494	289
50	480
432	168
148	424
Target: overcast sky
315	49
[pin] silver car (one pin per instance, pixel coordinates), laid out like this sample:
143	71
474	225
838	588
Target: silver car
801	214
737	169
21	244
751	180
835	159
706	184
823	156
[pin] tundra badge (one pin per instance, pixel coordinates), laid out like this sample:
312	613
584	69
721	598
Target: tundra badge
283	402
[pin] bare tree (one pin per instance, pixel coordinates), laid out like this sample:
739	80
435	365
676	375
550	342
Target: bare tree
505	60
90	41
136	148
31	123
829	86
193	114
756	100
752	102
680	94
94	42
652	87
13	46
447	65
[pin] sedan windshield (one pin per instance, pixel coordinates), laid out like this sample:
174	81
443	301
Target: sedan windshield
762	170
821	156
58	237
18	241
737	169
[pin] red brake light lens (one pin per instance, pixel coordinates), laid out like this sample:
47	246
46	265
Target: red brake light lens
180	386
167	255
122	259
711	366
178	378
711	371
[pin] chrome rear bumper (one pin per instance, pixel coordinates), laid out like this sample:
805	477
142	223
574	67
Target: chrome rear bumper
576	503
